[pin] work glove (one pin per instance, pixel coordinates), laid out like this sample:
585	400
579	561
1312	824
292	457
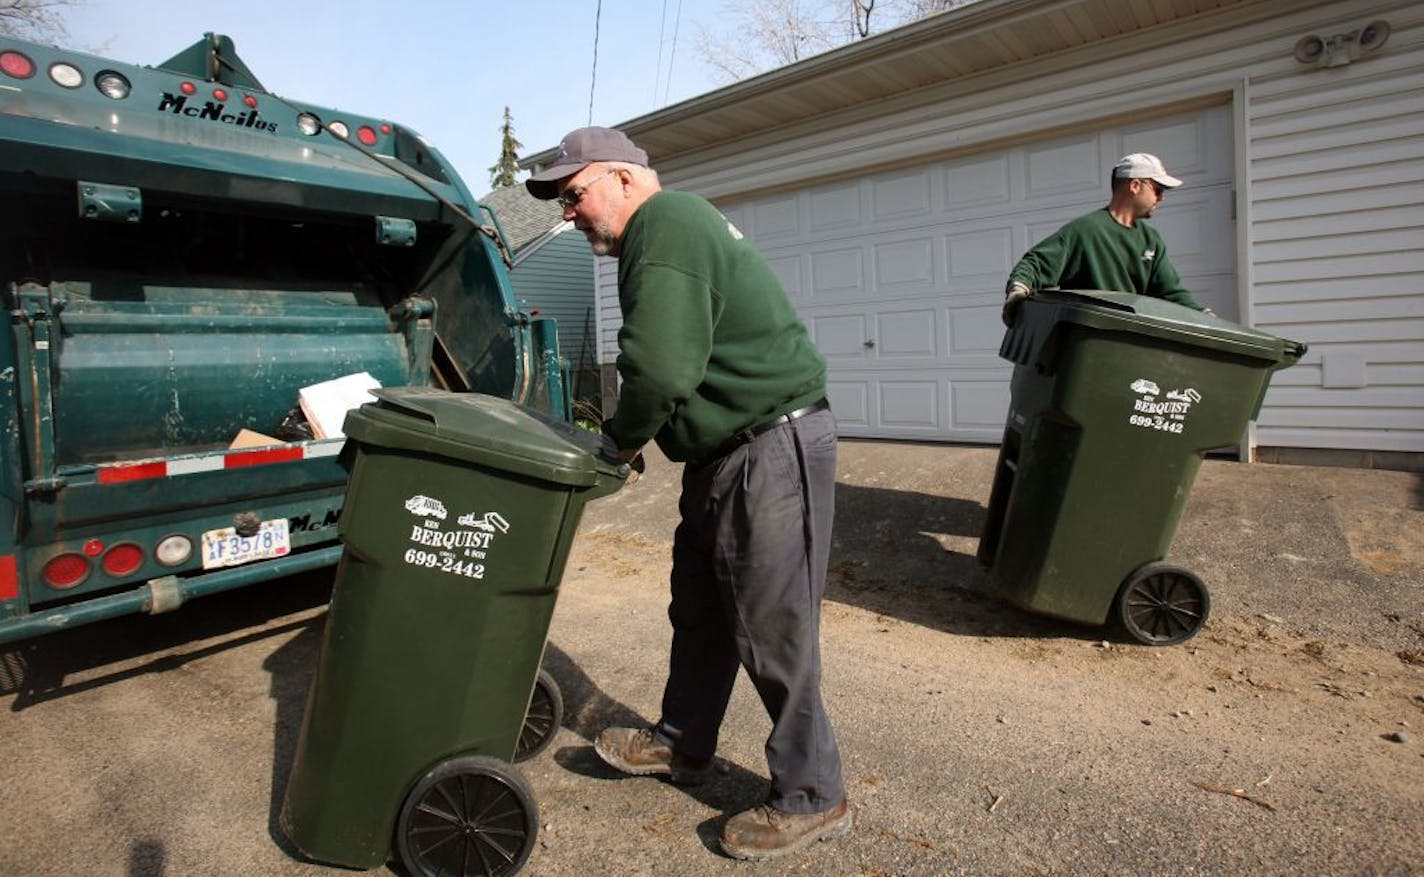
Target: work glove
1013	297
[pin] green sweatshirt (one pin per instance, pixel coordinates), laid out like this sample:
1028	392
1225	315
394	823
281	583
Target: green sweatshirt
1097	252
710	343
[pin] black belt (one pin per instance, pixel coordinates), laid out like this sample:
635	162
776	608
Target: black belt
746	436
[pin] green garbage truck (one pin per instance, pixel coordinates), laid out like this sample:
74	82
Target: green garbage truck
197	274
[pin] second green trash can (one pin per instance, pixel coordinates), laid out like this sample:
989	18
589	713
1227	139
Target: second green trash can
459	517
1114	401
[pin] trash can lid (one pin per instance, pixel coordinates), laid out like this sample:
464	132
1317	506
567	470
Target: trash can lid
1164	319
476	428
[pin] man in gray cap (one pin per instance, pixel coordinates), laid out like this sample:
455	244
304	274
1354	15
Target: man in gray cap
719	371
1108	248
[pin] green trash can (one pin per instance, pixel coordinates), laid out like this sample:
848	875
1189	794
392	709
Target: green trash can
1115	400
459	516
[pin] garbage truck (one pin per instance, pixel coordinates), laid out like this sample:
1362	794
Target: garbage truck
188	260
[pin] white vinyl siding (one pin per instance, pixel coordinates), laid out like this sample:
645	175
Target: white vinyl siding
1337	243
1325	196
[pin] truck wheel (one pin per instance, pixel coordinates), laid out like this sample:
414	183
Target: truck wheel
471	816
545	714
1162	604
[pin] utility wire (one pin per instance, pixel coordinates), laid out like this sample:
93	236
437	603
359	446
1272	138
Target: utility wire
672	55
593	77
662	37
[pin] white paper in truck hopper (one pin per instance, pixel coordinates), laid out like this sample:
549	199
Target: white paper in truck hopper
325	404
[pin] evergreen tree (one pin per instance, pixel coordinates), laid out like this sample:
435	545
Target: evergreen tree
503	171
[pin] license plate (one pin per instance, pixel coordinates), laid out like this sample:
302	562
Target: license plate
225	548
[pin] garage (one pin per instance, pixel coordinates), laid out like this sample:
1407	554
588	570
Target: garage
899	275
894	181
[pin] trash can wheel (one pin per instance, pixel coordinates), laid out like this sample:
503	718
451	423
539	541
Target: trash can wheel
542	720
1162	604
470	816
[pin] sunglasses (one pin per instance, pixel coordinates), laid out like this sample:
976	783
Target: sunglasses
570	198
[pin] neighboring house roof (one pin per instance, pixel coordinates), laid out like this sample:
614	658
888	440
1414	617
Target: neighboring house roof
522	217
872	74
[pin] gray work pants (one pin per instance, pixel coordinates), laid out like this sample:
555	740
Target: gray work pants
748	575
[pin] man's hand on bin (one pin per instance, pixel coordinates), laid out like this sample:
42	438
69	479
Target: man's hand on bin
1014	295
610	451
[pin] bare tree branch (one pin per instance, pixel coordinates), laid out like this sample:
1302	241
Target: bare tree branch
757	35
36	20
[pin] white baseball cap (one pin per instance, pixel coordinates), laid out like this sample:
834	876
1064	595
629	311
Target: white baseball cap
1142	165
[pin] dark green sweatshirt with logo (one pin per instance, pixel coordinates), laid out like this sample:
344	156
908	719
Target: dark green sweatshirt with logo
1097	252
710	342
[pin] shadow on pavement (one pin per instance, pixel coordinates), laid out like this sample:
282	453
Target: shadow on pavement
911	556
292	668
588	710
36	670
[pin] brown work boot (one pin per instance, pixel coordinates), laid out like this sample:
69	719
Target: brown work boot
765	832
636	751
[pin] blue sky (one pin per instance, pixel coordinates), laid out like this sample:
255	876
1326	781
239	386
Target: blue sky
445	68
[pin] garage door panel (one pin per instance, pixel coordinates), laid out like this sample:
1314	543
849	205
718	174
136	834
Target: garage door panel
838	273
904	266
976	183
979	405
1216	291
788	271
840	337
909	405
850	400
835	208
980	257
776	218
1062	166
901	195
976	330
1198	230
907	333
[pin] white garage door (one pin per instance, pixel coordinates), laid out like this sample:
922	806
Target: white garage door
900	275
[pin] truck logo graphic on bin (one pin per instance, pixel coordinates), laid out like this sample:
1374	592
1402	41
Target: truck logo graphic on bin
489	522
1168	414
425	506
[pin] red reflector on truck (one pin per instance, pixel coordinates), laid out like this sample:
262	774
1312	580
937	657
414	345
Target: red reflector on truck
136	472
123	559
9	579
17	65
259	458
66	571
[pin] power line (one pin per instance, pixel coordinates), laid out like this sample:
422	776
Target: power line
593	76
662	37
672	55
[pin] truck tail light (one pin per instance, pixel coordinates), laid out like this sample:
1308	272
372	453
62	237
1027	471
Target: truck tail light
122	559
17	65
112	85
66	571
173	550
66	75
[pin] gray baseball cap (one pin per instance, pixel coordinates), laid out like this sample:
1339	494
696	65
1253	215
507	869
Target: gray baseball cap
578	150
